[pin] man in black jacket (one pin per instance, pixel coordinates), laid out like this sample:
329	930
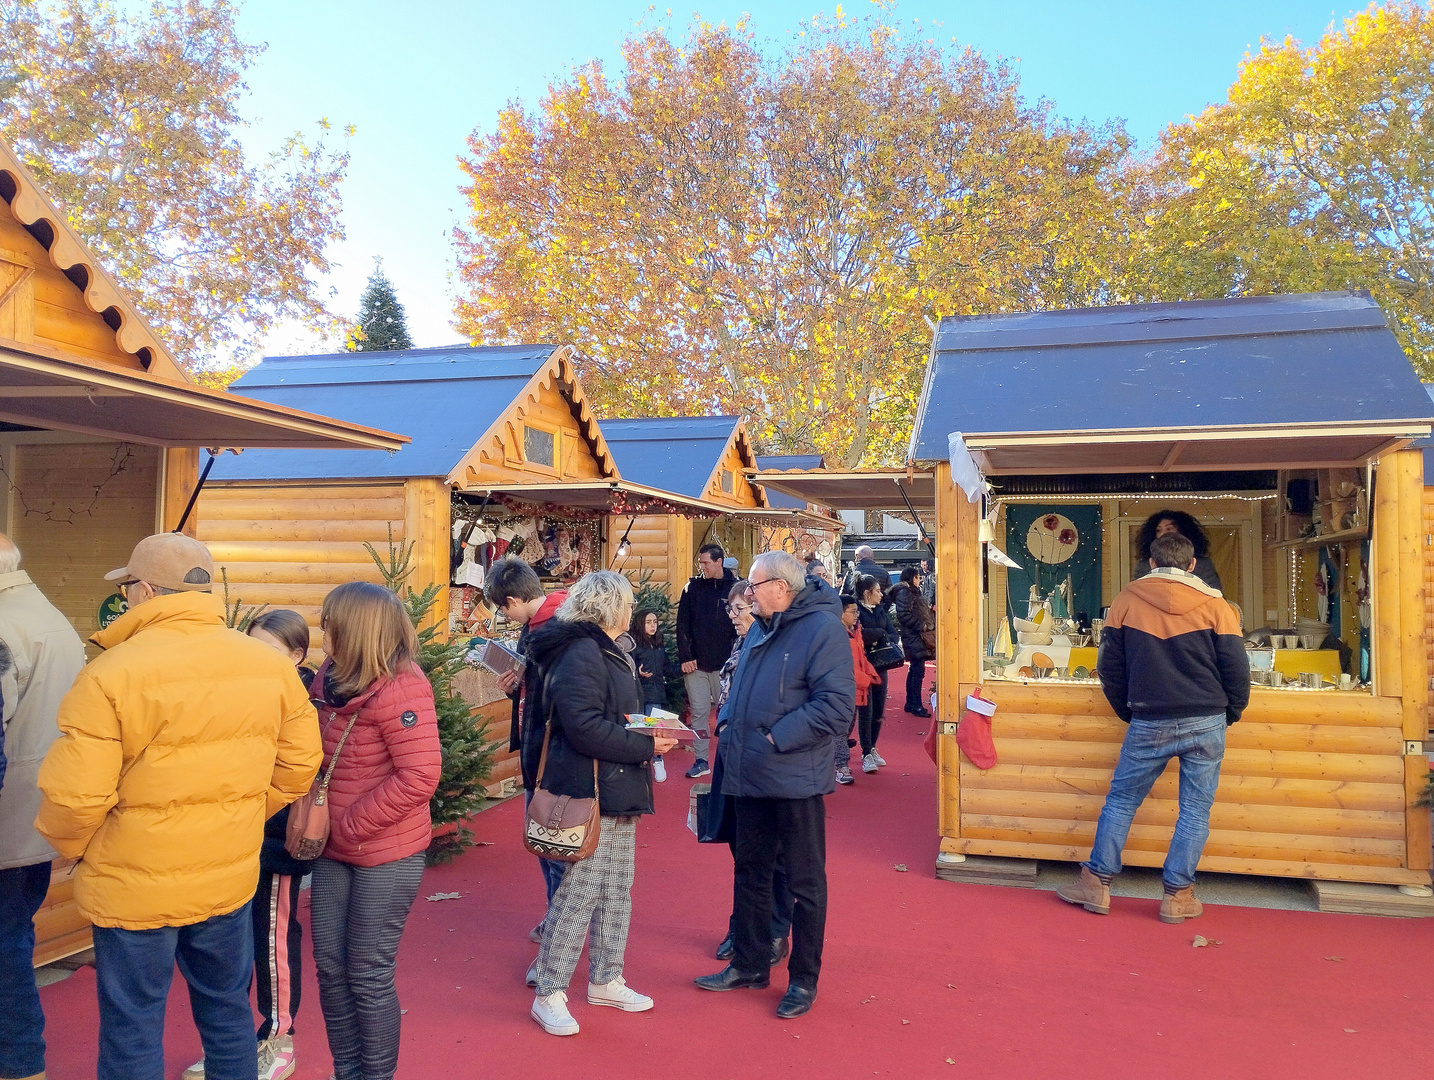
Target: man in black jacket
704	641
1172	664
791	697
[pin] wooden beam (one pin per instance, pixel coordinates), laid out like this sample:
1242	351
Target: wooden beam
1174	455
427	521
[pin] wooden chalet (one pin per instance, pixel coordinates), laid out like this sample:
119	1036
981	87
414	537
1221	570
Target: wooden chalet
1284	425
100	431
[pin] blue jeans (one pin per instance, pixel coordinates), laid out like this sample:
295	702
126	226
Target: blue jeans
1199	743
22	1024
133	970
552	869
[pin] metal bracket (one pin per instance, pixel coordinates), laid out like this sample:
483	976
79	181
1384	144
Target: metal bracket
1413	747
948	728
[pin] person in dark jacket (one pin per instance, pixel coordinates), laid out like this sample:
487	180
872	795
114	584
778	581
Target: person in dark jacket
914	617
1165	522
704	641
1172	664
792	697
278	934
879	634
867	565
650	656
513	588
593	686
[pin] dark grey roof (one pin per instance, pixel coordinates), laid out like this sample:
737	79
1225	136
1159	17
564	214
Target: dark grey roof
780	499
444	398
671	453
1252	361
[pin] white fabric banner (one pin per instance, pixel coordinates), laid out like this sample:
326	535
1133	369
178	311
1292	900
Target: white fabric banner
964	472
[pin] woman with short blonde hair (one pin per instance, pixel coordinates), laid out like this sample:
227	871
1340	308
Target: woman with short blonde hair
387	770
590	752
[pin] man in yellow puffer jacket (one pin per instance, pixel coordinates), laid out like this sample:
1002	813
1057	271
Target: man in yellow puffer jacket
174	747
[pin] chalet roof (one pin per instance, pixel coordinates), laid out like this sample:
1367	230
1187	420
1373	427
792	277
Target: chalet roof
780	499
671	453
446	397
1209	384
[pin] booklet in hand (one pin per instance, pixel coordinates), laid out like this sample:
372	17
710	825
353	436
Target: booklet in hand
661	722
499	659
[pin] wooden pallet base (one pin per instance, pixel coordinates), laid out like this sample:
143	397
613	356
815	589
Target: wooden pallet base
1357	898
987	870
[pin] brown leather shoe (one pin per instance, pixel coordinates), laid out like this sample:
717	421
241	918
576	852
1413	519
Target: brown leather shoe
1181	906
1088	891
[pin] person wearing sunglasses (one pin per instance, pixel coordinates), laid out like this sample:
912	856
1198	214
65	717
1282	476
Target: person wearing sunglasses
792	697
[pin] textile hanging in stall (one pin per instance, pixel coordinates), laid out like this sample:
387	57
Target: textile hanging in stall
1054	543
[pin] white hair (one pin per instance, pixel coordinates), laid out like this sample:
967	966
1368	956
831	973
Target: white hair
599	598
9	555
783	566
864	552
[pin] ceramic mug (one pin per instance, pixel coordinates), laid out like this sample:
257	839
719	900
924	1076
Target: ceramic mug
1346	682
1276	678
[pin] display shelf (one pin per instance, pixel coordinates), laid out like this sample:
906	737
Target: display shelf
1344	536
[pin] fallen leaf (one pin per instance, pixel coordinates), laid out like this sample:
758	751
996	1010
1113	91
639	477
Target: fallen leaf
482	843
950	1061
865	1000
1351	1031
444	896
901	868
1200	942
921	733
1336	959
951	985
906	1021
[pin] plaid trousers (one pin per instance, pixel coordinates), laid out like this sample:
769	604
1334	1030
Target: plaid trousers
596	893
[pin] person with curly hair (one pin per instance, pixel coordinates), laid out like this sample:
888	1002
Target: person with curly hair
1165	522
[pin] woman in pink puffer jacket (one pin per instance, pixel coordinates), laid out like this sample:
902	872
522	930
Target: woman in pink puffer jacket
386	772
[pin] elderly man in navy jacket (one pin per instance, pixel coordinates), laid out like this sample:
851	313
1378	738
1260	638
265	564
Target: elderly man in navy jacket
792	697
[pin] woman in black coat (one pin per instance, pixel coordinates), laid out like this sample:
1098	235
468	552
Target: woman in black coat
591	687
1168	521
650	656
913	616
878	633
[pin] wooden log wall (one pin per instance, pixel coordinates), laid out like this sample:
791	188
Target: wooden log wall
660	543
1313	785
1426	544
288	545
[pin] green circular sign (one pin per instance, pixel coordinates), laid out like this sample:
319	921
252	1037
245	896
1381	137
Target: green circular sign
112	608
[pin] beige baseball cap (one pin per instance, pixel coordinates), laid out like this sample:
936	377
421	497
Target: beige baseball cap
165	559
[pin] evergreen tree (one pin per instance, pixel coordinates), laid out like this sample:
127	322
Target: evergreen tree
467	751
381	322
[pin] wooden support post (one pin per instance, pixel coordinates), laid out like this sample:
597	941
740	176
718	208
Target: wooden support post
958	622
427	524
1387	636
181	473
1414	654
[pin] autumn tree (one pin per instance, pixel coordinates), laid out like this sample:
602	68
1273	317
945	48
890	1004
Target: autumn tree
381	322
720	231
1315	174
131	125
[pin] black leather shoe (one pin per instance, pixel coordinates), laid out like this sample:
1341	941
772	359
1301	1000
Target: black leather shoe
796	1001
726	949
920	710
729	978
780	948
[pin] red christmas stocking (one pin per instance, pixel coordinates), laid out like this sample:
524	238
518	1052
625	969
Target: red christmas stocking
973	734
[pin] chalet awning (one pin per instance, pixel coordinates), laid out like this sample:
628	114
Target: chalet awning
45	389
854	489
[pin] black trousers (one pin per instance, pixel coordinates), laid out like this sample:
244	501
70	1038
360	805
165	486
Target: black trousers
915	676
798	829
869	722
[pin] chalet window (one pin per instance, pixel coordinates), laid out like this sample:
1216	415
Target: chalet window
538	446
727	481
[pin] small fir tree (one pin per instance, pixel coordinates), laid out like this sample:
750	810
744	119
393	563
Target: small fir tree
468	753
382	324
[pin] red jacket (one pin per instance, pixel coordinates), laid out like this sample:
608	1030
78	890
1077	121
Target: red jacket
387	772
866	675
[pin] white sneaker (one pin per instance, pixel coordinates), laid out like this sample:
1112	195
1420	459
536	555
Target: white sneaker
876	756
617	994
532	977
194	1072
659	770
552	1014
868	763
276	1058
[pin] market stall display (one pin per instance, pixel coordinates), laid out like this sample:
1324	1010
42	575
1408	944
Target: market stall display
1237	411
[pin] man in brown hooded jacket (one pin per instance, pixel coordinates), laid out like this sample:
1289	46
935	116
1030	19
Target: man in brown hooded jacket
1172	664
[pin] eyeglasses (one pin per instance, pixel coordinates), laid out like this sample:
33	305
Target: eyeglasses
738	609
753	586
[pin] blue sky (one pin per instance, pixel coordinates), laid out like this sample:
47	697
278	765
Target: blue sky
417	78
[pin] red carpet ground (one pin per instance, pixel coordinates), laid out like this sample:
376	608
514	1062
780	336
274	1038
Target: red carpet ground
922	978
